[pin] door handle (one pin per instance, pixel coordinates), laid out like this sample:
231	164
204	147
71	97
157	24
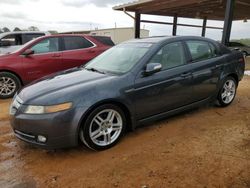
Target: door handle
186	74
218	66
56	55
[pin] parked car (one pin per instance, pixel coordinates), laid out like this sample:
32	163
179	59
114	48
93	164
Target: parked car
241	47
130	84
11	41
47	55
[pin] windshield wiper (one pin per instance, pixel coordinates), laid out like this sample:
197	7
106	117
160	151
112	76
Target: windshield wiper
95	70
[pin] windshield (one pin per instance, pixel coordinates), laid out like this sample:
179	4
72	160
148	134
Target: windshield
119	59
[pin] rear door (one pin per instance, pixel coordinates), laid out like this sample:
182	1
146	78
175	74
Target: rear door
168	89
77	51
45	60
207	65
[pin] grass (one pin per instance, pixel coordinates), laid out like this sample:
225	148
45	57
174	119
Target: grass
248	64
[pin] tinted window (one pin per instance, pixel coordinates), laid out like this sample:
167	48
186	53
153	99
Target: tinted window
29	37
11	40
46	46
74	43
201	50
171	55
104	40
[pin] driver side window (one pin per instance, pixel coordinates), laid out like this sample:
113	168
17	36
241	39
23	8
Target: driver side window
46	46
170	56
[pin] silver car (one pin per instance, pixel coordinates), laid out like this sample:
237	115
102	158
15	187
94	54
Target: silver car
241	47
11	41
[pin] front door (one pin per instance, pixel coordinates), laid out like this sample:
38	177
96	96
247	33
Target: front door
45	60
168	89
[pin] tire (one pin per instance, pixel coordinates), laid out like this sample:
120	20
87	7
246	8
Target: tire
101	122
227	92
9	85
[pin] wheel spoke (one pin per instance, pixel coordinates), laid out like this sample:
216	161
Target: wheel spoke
99	120
224	94
96	134
7	80
1	90
116	127
230	84
107	138
111	116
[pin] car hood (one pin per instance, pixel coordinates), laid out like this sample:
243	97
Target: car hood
59	81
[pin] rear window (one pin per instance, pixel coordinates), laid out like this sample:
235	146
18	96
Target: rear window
201	50
104	40
74	43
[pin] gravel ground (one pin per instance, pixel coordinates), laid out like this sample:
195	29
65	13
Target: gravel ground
248	63
206	147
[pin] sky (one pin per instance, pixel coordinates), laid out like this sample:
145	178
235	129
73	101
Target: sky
73	15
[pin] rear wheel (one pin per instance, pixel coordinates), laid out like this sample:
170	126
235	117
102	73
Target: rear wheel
103	128
9	84
227	92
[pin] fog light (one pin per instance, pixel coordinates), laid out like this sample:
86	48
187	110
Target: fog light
41	138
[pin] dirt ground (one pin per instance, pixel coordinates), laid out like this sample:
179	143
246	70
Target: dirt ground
207	147
248	63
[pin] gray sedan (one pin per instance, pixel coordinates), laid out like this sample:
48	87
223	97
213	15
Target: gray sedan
132	83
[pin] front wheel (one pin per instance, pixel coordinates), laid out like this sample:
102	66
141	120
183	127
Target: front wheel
227	92
103	128
9	85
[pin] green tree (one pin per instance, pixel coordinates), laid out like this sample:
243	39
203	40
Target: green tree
6	29
17	29
33	28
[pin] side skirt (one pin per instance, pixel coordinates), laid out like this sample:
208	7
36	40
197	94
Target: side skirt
173	112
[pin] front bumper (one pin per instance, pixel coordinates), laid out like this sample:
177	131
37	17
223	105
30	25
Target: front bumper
60	129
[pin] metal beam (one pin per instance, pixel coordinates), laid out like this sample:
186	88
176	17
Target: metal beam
175	25
137	25
228	22
203	34
179	24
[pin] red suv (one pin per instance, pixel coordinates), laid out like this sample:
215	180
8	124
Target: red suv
47	55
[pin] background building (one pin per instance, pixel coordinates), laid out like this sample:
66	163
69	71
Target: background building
118	35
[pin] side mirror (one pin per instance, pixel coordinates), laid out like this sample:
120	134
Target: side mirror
152	68
28	52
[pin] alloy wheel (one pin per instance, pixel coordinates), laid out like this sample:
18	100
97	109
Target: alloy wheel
106	127
228	92
7	86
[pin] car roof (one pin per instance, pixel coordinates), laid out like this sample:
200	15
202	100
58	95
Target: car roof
22	32
159	39
66	35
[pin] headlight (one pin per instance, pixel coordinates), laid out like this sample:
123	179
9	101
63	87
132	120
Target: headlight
31	109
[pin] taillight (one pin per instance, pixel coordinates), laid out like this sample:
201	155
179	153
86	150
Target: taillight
242	60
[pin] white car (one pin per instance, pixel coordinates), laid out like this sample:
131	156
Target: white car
11	41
